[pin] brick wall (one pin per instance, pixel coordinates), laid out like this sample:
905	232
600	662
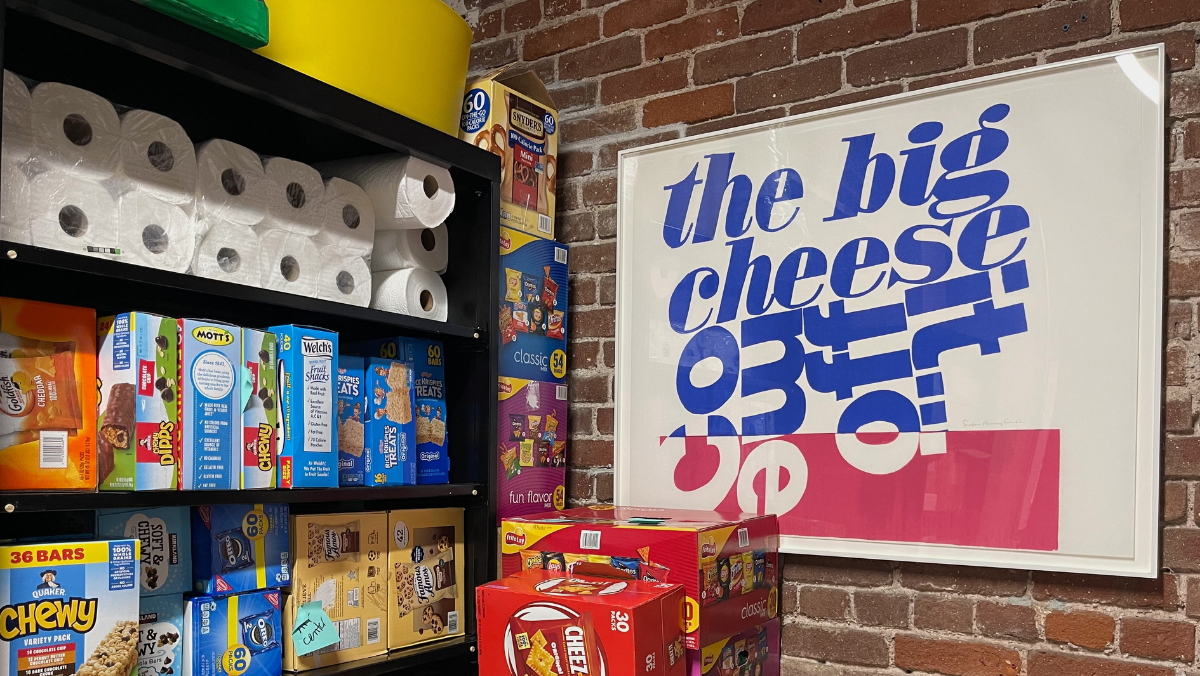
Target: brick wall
625	73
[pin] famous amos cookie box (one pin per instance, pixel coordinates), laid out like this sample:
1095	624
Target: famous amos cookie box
209	404
238	548
69	608
165	534
308	428
160	636
391	423
238	635
258	458
533	307
351	417
532	446
426	585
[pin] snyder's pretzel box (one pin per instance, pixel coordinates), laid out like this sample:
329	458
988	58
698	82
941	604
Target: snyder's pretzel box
512	115
238	548
166	537
47	396
69	608
728	564
543	623
238	635
341	561
425	591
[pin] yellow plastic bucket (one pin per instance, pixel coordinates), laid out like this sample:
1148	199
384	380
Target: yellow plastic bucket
409	56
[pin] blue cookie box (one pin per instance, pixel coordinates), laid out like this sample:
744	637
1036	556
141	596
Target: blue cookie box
166	537
160	635
307	406
391	446
271	554
350	393
214	626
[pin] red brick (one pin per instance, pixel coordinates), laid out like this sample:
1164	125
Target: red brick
881	609
845	99
1179	314
604	420
788	592
736	121
795	83
958	76
1176	365
604	487
1063	664
1187	232
705	29
1185	96
559	8
837	571
567	197
592	324
594	258
844	646
955	658
610	151
1158	640
1005	620
1181	49
885	22
604	57
522	16
1193	602
964	579
824	603
546	69
1183	278
639	83
606	223
492	54
1191	139
574	96
1175	498
590	453
641	13
1141	14
742	58
918	56
560	38
1182	457
765	15
1181	549
608	349
582	291
579	419
944	613
1179	411
574	163
601	123
1093	631
589	388
934	14
1028	33
597	191
694	106
488	26
606	290
579	485
1126	592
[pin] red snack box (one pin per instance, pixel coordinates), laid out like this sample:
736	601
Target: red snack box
728	564
541	623
753	652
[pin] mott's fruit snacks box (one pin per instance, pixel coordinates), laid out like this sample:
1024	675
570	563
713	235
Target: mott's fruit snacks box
728	564
341	561
47	396
532	445
259	454
391	426
542	623
137	446
237	635
752	652
209	404
308	430
533	307
512	115
69	608
165	534
238	548
160	635
425	596
351	414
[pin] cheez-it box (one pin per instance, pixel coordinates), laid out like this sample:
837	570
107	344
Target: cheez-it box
727	563
543	623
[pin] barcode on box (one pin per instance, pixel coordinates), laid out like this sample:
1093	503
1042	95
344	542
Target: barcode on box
452	622
589	539
348	636
53	444
545	224
352	598
560	392
743	537
373	630
560	256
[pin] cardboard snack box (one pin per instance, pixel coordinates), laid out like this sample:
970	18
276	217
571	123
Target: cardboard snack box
308	429
239	548
138	417
259	454
238	635
391	421
532	443
752	652
533	307
165	534
209	404
351	417
160	635
341	561
425	593
47	443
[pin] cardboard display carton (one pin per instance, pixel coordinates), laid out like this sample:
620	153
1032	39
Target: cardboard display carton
259	454
239	548
391	421
532	443
165	534
209	404
533	307
308	429
160	635
425	593
351	417
752	652
238	635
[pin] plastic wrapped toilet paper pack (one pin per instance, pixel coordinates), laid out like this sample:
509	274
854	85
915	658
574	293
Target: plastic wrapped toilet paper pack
399	249
157	157
17	137
231	184
229	252
154	233
75	130
14	204
296	198
69	213
290	262
414	291
407	192
347	218
345	277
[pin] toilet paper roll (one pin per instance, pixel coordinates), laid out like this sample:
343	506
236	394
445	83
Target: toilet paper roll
297	196
14	204
154	233
407	192
414	291
289	262
345	277
399	249
231	184
75	129
16	142
229	252
157	156
73	214
347	218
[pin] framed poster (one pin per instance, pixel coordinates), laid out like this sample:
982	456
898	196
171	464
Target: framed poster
926	328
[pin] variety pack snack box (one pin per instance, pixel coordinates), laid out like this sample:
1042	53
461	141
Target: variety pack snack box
209	404
543	623
84	596
47	396
238	635
137	446
391	431
259	453
533	307
752	652
308	429
165	535
426	584
532	445
240	548
351	414
160	635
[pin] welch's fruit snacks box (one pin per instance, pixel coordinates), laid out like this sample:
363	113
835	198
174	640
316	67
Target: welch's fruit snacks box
165	534
351	418
236	635
259	453
238	548
210	358
160	635
307	427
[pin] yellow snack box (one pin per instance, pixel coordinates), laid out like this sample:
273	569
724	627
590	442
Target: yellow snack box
425	591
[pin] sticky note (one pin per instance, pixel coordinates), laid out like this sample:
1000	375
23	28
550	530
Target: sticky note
313	629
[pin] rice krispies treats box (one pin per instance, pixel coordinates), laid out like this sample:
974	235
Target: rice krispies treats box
209	401
138	415
238	635
259	455
69	608
48	443
533	307
308	429
351	417
752	652
426	588
165	534
239	548
341	561
160	635
391	422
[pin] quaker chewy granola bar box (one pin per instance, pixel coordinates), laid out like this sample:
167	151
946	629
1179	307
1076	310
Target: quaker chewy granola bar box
236	635
259	453
240	548
166	537
308	429
84	596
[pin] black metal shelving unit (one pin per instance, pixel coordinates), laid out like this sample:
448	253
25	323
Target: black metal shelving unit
139	58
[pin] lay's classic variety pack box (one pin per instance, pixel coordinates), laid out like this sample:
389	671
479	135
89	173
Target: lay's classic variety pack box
239	635
308	429
533	307
69	608
240	548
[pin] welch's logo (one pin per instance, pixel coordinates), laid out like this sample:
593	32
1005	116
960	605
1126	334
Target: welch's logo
212	335
316	347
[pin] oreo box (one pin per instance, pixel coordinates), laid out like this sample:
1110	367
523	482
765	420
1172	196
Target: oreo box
351	416
236	635
533	307
391	428
238	548
209	404
165	534
160	635
307	430
259	454
137	417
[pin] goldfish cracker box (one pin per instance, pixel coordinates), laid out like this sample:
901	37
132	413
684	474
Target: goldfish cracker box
728	564
751	652
512	115
341	561
85	598
542	623
532	445
533	307
47	396
426	585
259	454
